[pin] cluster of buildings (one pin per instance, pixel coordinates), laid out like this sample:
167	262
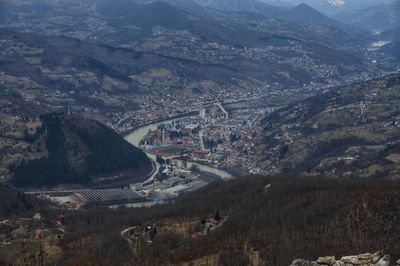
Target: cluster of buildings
29	229
207	226
178	132
76	199
166	106
217	137
231	140
169	182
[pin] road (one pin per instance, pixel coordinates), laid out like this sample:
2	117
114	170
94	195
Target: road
153	175
201	140
55	191
116	125
125	231
223	110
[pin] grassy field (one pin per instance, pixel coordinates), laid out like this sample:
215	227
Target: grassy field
170	150
22	250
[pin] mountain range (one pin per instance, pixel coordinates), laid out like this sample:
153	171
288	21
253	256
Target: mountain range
302	12
304	95
367	14
110	58
136	19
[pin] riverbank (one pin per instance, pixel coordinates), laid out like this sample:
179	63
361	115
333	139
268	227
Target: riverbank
235	173
139	133
161	120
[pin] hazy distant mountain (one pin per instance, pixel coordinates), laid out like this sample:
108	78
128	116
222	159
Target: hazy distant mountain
122	12
392	40
392	34
331	6
280	3
378	17
300	13
305	13
165	46
126	23
233	5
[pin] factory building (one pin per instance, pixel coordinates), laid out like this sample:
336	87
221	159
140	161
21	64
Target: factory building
110	196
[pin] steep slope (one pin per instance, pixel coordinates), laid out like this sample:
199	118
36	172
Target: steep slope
70	149
307	14
90	76
352	131
300	13
58	71
122	12
16	117
296	16
230	5
59	66
15	203
380	17
392	34
45	149
144	19
271	221
332	7
117	23
391	39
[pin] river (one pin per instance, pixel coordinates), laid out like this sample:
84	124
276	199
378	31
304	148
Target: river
138	134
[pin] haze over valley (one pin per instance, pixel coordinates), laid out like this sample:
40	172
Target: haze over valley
199	132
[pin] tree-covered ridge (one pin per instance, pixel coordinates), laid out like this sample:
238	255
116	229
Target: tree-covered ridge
78	150
114	154
13	202
271	221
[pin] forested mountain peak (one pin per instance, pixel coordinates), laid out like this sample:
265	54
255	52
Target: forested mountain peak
71	149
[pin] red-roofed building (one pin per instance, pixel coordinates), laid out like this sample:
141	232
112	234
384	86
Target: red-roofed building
201	153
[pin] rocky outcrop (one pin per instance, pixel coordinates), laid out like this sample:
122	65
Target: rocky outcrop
326	260
366	259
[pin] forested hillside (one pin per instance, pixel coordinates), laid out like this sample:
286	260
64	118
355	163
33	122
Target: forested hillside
270	221
71	149
349	131
14	203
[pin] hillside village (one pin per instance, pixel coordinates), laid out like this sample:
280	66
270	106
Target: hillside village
351	131
200	132
31	239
